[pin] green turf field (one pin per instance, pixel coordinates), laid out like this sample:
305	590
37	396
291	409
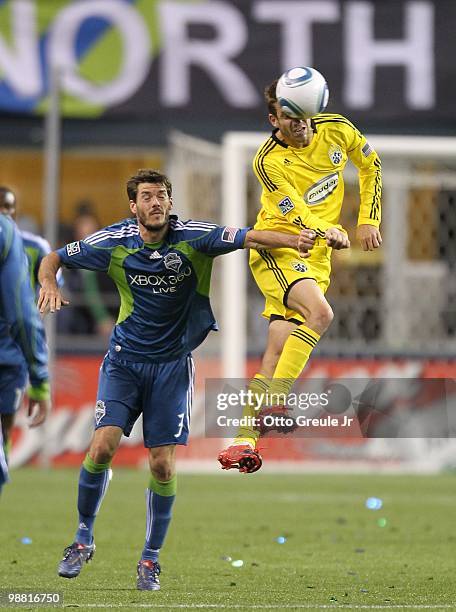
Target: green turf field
336	554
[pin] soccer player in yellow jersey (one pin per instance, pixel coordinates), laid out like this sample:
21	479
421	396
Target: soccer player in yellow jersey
300	170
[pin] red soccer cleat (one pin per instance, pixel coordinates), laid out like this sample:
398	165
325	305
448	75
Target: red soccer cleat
276	418
242	457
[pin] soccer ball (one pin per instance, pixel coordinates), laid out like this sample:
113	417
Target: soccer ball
302	92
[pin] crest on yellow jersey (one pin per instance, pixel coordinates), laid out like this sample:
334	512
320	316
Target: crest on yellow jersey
299	266
335	154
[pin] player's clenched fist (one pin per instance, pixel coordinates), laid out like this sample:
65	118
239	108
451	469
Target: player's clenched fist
306	240
337	239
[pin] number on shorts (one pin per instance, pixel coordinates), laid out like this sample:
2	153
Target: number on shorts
181	424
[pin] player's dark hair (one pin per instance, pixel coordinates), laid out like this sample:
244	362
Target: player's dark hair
7	197
147	176
271	97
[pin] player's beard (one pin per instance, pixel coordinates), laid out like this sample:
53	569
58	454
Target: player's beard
153	227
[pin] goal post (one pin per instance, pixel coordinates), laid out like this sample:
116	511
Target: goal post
234	298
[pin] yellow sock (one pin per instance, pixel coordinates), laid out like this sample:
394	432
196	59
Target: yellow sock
295	354
247	434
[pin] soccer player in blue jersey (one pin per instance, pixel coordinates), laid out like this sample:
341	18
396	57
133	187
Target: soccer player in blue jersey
23	348
162	269
36	248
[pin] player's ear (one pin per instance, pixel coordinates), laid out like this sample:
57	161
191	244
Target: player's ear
133	206
273	120
170	202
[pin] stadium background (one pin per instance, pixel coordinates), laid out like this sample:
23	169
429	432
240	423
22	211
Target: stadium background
160	84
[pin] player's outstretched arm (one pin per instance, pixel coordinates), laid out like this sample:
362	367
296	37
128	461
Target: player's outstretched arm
50	297
266	239
368	236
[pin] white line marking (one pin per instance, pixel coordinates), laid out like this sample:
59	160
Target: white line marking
274	607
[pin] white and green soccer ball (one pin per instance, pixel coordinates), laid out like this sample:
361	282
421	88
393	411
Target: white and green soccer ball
302	92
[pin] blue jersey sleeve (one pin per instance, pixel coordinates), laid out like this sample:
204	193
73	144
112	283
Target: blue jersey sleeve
18	305
85	256
220	240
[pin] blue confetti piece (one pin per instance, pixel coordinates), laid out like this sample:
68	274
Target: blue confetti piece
26	540
374	503
281	540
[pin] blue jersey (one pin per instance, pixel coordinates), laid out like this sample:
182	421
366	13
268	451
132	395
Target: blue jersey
21	330
164	287
36	248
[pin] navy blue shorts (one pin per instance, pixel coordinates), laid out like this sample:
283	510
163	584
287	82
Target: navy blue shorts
13	380
162	392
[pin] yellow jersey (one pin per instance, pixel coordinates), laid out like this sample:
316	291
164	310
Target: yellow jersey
304	188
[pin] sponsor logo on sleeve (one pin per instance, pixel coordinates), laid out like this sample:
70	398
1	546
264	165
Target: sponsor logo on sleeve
285	205
73	248
321	190
367	150
229	234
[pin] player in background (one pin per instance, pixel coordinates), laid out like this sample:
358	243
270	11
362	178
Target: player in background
300	169
36	247
23	348
162	269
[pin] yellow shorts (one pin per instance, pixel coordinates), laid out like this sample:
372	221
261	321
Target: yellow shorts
276	270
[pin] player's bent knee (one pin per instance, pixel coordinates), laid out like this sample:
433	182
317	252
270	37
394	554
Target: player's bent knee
103	446
321	318
162	470
101	454
162	465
